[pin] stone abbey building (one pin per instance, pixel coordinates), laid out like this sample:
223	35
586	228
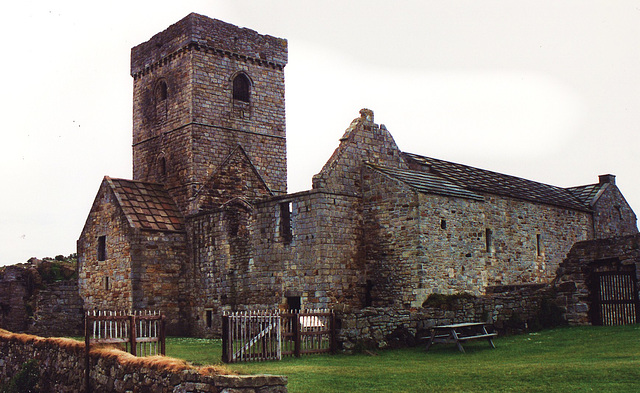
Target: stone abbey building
206	224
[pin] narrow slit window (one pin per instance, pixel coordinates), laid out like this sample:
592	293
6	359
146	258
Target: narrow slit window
443	224
107	285
102	248
539	244
209	317
488	238
241	88
285	222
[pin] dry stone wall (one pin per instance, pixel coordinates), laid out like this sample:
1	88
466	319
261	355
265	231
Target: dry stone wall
35	302
61	368
511	309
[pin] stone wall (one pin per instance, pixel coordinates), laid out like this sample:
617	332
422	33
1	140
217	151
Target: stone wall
61	366
612	214
511	309
17	286
35	301
418	244
261	265
573	283
186	119
106	284
58	310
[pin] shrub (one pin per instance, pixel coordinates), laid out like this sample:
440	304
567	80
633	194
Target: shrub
445	302
25	380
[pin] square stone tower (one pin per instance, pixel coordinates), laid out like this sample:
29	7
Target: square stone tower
202	88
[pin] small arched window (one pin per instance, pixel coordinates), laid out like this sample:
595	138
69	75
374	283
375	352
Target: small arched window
162	166
241	87
162	90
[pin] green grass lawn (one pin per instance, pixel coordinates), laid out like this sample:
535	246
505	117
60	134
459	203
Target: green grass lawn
576	359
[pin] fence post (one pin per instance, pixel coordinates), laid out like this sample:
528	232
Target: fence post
333	344
226	340
87	343
162	335
132	334
298	334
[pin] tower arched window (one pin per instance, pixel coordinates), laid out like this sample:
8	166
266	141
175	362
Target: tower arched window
162	166
162	90
241	87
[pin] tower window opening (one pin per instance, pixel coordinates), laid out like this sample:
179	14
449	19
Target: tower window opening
285	222
162	90
102	248
162	166
241	88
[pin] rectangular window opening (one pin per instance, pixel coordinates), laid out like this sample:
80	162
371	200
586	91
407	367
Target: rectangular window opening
102	248
285	222
294	303
539	244
488	237
107	286
209	317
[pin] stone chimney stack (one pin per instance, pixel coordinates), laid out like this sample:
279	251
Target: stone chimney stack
607	179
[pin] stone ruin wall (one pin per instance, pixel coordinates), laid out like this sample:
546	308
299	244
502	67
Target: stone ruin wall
511	309
61	368
574	274
261	266
29	303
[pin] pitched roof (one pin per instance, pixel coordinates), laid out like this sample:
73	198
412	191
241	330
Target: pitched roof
426	182
587	194
147	205
481	180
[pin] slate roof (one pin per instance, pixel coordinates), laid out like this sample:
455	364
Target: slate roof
481	180
427	183
147	205
587	194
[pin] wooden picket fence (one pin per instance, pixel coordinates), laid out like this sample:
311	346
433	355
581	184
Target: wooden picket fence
270	335
142	333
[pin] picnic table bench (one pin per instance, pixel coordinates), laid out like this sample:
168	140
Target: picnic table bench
459	333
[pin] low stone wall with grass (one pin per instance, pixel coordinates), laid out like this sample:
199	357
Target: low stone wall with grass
58	365
511	309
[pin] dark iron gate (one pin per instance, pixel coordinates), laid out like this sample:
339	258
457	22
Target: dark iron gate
616	298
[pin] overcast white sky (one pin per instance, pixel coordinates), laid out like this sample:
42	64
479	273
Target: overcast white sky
545	90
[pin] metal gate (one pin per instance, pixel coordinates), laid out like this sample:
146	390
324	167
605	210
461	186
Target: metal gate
616	298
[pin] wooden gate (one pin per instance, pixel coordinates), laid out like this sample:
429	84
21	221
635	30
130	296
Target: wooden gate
269	335
142	333
615	298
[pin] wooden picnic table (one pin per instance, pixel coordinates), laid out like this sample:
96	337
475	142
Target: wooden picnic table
459	333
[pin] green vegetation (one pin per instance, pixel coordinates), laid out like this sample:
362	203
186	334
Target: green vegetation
59	268
599	359
24	381
445	302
